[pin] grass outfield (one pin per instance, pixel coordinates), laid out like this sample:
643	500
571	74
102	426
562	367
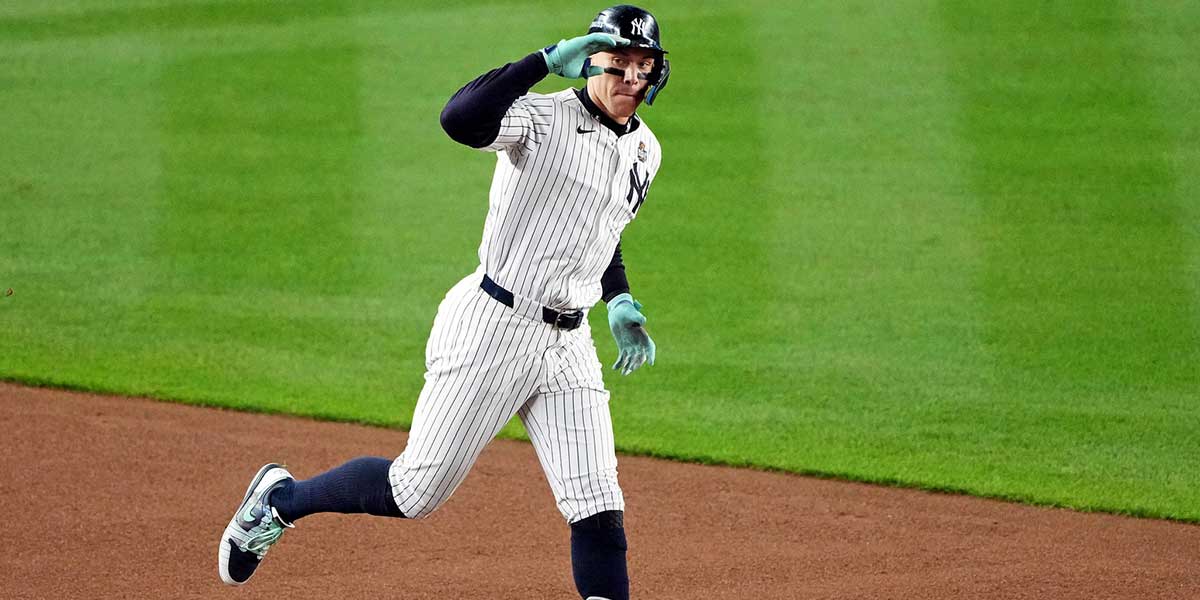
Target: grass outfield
934	244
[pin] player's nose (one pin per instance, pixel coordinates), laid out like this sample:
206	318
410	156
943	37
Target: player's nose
631	75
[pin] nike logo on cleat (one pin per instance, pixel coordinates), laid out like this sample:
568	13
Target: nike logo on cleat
248	516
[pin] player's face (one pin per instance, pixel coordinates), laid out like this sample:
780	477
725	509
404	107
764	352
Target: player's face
620	94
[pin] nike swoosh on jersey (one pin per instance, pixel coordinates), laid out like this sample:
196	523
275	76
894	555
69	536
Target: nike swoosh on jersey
582	130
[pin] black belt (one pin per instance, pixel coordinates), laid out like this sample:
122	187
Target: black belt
560	320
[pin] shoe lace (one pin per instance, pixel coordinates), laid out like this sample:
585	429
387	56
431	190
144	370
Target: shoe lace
261	541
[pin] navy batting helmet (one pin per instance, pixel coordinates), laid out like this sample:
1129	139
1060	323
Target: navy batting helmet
641	28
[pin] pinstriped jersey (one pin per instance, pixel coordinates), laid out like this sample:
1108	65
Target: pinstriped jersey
565	187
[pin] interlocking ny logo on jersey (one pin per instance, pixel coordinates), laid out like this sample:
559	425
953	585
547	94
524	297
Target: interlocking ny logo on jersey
637	187
639	26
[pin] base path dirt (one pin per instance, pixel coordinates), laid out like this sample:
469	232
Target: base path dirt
126	498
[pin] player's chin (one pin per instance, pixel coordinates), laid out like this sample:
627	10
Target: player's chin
626	104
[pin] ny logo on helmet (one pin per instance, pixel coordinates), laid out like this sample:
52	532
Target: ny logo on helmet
639	26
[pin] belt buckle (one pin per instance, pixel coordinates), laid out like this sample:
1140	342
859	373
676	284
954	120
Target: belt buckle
568	321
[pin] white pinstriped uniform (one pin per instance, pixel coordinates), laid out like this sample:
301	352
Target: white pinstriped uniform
559	201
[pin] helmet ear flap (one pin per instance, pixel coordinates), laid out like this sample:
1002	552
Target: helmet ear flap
659	81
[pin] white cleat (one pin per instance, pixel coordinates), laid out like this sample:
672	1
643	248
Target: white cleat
253	529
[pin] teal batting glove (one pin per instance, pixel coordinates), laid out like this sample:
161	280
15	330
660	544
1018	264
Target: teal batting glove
635	348
569	58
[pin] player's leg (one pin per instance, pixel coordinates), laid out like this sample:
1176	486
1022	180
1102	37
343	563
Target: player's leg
571	430
358	486
480	368
275	500
482	362
363	485
598	561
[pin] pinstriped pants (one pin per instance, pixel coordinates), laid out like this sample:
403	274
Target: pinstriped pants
484	363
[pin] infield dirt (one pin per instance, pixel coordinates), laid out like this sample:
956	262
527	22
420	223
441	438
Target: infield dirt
126	498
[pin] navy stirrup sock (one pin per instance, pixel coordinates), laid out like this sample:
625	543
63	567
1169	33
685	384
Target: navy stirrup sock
598	556
358	486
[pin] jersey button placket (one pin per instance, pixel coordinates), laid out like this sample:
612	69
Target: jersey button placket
619	172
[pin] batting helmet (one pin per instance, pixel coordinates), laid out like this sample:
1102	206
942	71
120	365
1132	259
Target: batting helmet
641	29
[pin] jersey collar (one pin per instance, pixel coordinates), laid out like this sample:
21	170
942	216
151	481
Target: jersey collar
586	99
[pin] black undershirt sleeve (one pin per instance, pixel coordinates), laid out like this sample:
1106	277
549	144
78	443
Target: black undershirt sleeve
473	114
613	283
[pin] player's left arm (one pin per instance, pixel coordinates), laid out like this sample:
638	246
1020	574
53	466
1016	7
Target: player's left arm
625	318
634	345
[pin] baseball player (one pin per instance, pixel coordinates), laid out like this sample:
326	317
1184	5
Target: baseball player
572	170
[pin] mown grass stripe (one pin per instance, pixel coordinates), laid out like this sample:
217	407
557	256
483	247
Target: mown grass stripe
1087	286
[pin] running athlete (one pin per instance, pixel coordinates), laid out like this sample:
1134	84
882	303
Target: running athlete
573	168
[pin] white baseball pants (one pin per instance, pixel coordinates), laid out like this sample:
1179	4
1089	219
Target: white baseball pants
484	363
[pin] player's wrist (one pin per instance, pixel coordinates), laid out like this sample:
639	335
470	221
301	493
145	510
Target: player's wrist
619	299
552	58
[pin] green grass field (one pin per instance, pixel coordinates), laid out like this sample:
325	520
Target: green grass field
952	245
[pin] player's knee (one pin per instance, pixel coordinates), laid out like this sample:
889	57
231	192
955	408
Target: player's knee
418	503
419	491
419	512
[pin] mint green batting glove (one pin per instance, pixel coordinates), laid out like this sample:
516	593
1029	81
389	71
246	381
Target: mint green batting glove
634	346
569	58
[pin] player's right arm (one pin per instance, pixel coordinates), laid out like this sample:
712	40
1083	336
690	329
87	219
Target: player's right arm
483	113
487	114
